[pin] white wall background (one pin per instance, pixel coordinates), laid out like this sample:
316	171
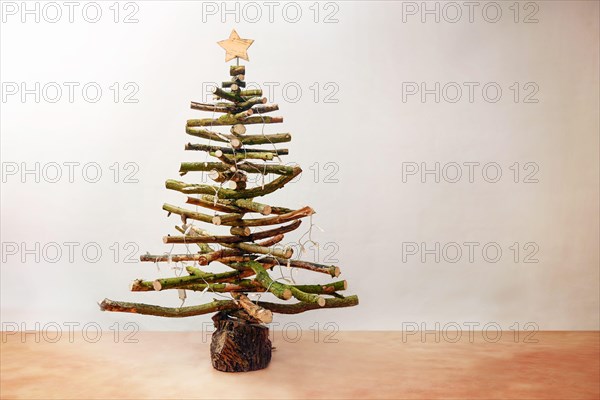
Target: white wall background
369	133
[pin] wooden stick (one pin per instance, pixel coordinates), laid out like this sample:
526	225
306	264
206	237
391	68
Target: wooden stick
242	155
148	309
181	281
243	115
207	258
239	206
213	206
198	276
327	288
245	140
250	103
141	286
228	84
307	297
265	108
231	96
245	204
278	289
332	270
246	167
242	285
251	92
204	247
280	210
212	107
195	232
232	239
220	176
227	219
301	307
234	219
255	248
279	219
256	104
229	119
227	150
269	242
263	278
255	311
188	213
240	231
220	305
237	70
199	257
257	191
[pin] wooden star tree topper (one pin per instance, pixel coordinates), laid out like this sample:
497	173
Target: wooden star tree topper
236	47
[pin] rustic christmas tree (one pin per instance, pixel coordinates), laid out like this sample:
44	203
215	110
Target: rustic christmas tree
240	341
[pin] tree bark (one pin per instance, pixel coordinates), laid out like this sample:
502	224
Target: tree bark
239	346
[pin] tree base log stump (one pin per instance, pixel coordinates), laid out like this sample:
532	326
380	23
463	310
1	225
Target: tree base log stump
238	345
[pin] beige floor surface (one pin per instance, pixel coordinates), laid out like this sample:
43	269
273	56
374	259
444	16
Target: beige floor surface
562	365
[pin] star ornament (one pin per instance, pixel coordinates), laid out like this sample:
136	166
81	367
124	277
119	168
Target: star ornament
236	47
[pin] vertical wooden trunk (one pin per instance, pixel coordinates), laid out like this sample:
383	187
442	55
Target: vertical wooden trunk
238	345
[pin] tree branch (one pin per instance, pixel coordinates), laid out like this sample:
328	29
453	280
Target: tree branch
257	191
221	305
245	140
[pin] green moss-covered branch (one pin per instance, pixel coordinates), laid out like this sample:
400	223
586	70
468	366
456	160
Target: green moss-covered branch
242	155
302	307
245	140
229	150
196	276
229	119
246	167
262	276
258	249
212	107
235	70
220	305
148	309
256	104
231	96
257	191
